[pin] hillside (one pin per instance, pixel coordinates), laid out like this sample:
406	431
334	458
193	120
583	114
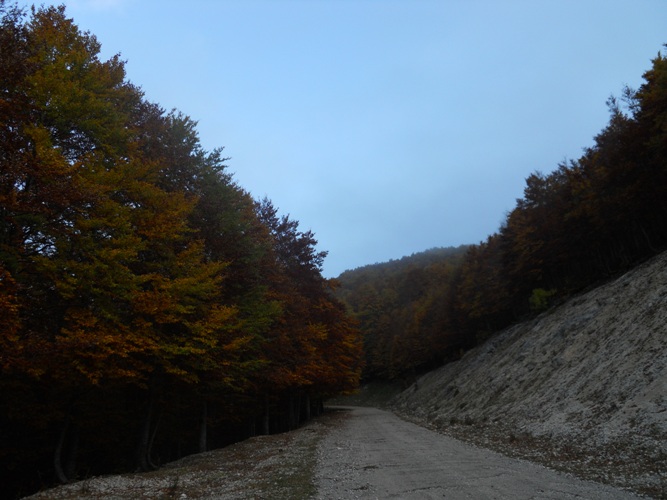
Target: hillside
582	387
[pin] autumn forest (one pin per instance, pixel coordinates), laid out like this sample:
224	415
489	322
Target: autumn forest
152	308
583	223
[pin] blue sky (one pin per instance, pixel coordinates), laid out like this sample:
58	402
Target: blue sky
386	127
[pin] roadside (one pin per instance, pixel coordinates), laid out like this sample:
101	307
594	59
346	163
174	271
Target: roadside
346	453
264	467
611	464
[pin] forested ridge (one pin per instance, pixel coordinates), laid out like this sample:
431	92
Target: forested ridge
583	223
150	306
403	308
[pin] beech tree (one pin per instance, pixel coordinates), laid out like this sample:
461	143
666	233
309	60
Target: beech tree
145	299
309	339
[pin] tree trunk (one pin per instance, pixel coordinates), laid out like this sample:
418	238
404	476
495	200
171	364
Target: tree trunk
648	239
265	418
307	407
290	413
203	428
72	449
149	451
297	410
144	440
57	456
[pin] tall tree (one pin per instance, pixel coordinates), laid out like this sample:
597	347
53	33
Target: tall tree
144	294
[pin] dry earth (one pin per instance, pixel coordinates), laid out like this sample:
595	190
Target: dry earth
581	388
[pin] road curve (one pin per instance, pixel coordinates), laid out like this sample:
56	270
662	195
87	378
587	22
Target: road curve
373	454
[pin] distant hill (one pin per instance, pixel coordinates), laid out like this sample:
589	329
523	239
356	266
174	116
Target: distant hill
425	258
403	308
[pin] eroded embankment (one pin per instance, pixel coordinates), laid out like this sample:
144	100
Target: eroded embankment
582	387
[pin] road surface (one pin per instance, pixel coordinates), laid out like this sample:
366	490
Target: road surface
373	454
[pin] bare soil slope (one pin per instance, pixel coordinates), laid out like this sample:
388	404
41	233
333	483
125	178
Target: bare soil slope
582	387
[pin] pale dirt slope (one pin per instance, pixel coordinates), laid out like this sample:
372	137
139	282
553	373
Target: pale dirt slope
582	387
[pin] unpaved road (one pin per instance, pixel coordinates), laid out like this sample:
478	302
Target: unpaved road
374	454
351	453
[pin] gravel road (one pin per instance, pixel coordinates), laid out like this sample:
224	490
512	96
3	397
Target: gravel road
374	454
347	453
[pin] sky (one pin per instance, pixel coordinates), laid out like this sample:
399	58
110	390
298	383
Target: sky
386	127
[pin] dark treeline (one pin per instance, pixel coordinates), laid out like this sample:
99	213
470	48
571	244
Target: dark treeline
403	308
149	307
588	220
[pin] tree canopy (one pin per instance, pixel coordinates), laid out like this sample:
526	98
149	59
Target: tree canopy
150	306
586	221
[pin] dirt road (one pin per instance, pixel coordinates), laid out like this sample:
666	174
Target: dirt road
353	453
374	454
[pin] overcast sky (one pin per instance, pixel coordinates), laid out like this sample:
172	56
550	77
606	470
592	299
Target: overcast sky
385	127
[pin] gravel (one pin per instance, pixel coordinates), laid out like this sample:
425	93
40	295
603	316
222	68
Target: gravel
375	454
